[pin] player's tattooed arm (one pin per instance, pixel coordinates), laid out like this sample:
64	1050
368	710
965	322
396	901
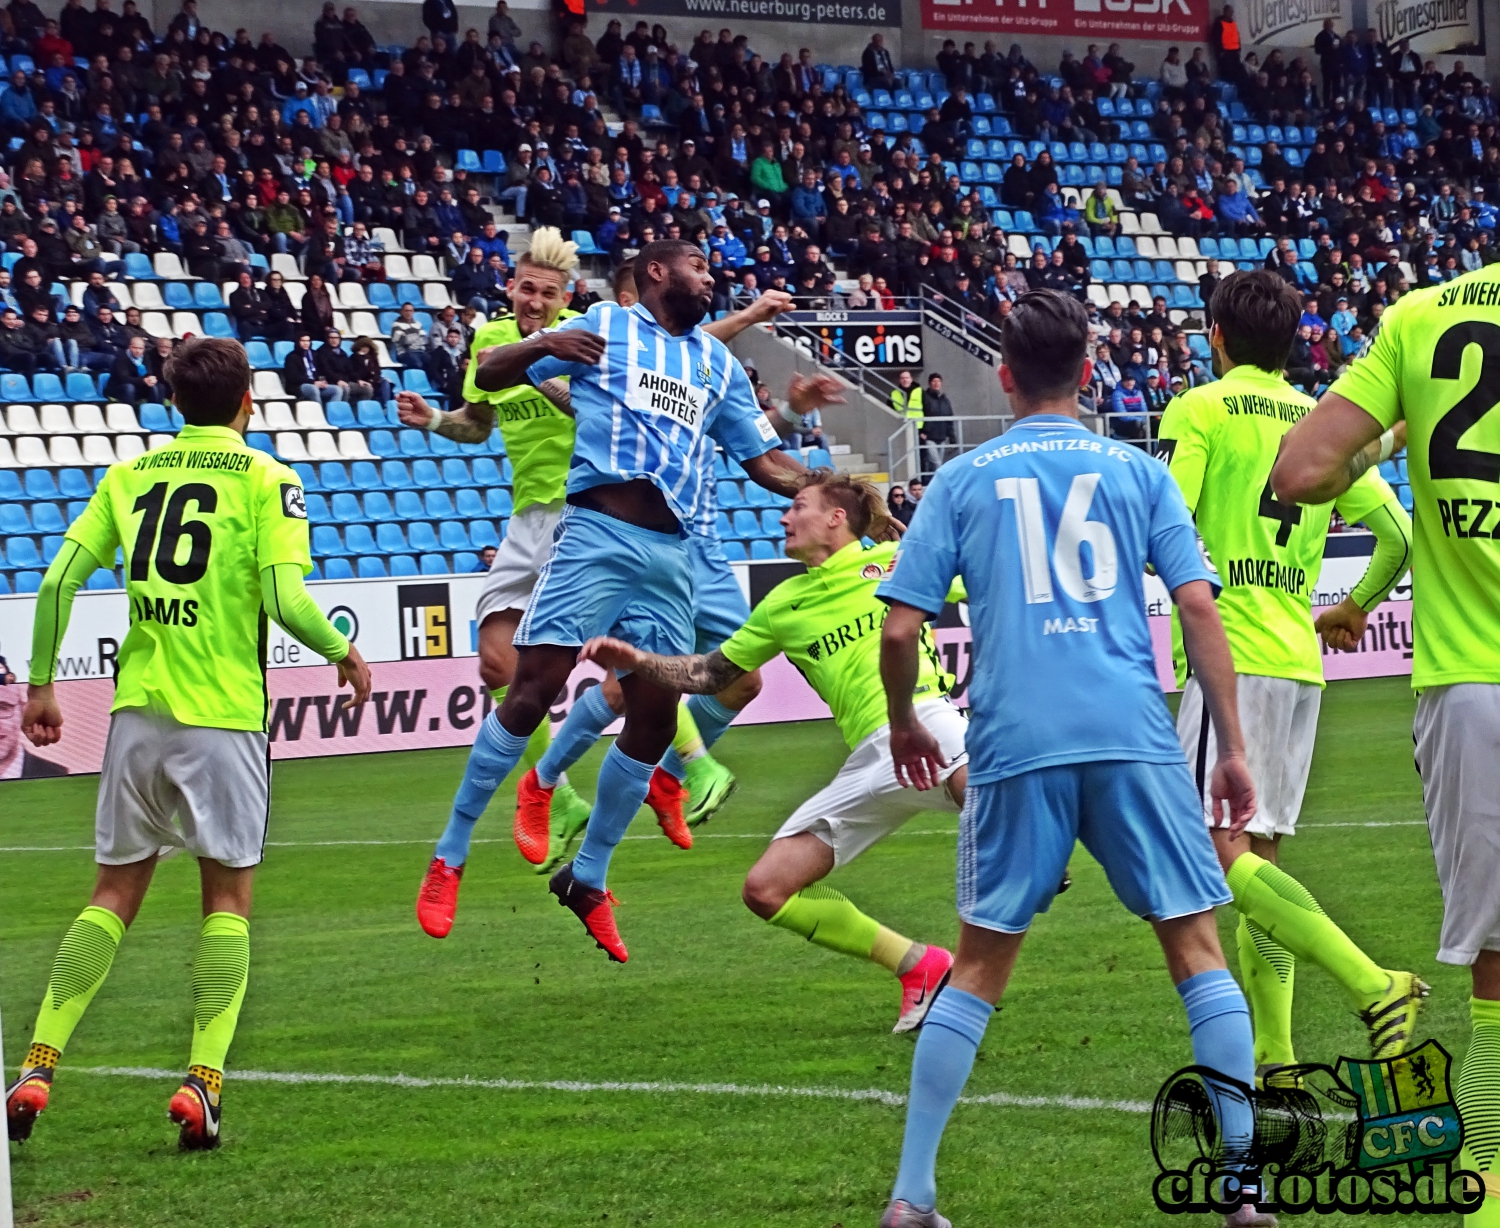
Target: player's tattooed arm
504	366
703	674
470	423
558	392
1376	451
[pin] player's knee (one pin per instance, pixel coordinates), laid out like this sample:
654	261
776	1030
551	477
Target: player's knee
494	669
762	895
613	695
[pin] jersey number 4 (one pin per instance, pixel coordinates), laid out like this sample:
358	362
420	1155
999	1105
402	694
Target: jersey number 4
173	529
1445	459
1074	530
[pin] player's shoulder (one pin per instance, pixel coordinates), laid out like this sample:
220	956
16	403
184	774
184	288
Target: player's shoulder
1479	289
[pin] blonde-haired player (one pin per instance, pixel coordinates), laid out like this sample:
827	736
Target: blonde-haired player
539	442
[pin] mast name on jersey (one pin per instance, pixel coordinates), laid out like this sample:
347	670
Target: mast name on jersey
1265	407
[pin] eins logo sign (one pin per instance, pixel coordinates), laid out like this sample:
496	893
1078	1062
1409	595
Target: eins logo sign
426	621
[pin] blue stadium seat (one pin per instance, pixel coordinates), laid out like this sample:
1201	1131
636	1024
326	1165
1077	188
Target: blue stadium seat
729	495
423	537
40	484
757	496
440	445
482	533
317	508
412	443
746	524
370	413
331	476
761	549
498	502
337	569
391	539
404	565
493	162
393	475
818	458
72	485
340	414
14	388
49	388
10	485
770	524
259	354
345	507
456	472
434	565
153	416
383	443
1125	246
47	518
465	562
359	540
453	536
217	324
735	552
468	503
425	473
486	471
1209	247
326	542
13	519
382	298
76	509
409	505
416	381
437	505
31	581
177	296
377	505
138	267
371	567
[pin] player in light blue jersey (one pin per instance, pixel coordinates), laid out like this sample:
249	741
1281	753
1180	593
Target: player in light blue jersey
1051	528
646	385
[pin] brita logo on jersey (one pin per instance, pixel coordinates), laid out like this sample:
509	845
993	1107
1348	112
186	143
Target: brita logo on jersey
425	621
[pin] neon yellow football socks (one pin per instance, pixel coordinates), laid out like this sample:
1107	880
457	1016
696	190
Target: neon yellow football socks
220	973
82	963
1287	912
1477	1093
1267	971
821	915
687	742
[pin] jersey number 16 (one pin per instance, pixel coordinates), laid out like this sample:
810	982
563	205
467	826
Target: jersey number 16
1074	529
173	529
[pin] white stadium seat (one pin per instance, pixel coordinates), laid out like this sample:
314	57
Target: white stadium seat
1141	294
1166	247
310	416
1187	248
31	451
1118	294
435	294
294	291
7	454
64	450
89	420
122	292
340	322
257	419
160	440
385	358
1130	224
289	446
128	447
186	323
387	236
286	265
56	420
365	324
1146	247
353	446
352	295
147	295
321	446
278	416
266	386
23	420
169	266
425	268
396	268
1187	271
121	417
1098	296
98	450
156	323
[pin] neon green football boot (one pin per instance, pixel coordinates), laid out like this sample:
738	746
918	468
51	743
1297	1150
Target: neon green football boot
570	815
709	785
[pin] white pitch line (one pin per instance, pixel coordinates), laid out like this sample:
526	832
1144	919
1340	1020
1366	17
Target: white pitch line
412	1082
697	835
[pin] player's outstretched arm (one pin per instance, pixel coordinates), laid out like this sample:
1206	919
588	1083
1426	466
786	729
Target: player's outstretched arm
505	366
779	472
703	674
287	601
1213	665
1343	626
471	422
41	719
1325	453
918	758
765	309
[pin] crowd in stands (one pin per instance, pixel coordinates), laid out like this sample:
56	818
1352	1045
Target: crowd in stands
298	183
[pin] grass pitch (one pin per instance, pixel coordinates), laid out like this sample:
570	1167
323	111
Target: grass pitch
343	982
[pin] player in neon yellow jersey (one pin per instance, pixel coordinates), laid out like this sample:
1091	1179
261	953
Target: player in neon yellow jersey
1220	441
828	622
1429	368
215	538
539	442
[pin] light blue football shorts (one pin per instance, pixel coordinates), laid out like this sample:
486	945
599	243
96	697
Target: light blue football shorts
1142	822
608	577
719	606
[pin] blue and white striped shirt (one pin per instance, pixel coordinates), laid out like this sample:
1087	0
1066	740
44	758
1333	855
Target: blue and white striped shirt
644	409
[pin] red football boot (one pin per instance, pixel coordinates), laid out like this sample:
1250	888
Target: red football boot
594	908
437	901
666	797
533	826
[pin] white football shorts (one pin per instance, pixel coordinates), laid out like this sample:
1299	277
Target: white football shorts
1458	754
1279	717
518	560
864	803
216	782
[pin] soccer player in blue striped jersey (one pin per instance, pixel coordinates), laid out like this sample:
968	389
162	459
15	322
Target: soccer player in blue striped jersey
646	385
690	785
1051	528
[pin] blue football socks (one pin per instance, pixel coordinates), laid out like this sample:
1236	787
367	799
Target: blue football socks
496	750
712	718
623	784
1223	1041
945	1054
591	715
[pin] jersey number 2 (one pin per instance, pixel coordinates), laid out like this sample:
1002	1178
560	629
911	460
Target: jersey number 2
1445	459
1073	530
173	530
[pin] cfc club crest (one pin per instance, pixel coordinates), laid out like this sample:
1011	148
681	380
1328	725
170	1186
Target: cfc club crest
1406	1109
705	373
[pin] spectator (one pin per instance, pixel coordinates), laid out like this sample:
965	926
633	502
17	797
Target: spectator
1127	408
486	557
936	434
899	506
1100	212
301	377
130	379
